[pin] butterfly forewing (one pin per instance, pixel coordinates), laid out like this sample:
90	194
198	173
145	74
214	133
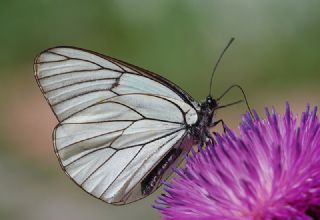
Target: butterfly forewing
116	121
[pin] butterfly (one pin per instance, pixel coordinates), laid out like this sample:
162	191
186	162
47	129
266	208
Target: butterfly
121	128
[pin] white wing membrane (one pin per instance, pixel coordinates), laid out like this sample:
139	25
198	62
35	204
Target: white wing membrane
51	83
76	54
81	169
130	83
70	134
70	65
71	91
103	112
116	123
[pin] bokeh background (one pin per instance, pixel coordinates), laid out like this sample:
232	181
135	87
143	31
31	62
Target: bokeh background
275	58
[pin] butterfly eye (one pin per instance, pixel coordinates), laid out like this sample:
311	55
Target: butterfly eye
212	103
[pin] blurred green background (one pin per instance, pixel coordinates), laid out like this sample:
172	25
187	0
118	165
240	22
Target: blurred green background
275	58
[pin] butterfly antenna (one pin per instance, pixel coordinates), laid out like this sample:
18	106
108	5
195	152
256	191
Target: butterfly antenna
217	63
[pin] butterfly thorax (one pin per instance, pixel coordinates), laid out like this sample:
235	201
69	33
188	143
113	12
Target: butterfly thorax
205	119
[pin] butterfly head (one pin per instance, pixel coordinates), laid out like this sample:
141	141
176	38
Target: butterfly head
209	105
211	102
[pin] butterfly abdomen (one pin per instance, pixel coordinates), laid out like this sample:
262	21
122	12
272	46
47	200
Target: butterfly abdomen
151	181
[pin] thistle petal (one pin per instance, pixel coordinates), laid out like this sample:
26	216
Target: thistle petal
270	171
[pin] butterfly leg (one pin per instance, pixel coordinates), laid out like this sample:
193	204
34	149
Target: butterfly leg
219	122
209	137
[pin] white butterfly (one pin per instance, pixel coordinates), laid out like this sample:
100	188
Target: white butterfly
121	128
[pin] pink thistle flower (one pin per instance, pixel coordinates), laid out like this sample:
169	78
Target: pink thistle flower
271	171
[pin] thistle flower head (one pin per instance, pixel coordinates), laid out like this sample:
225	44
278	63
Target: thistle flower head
270	171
